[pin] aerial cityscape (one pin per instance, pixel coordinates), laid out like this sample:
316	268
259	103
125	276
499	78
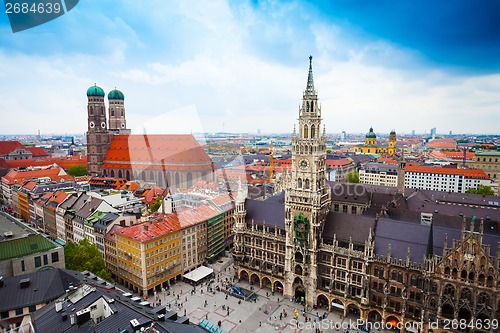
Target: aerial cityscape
250	167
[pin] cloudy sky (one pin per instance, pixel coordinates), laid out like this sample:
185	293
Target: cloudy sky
240	66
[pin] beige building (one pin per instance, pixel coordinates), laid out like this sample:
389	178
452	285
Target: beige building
489	162
149	254
379	174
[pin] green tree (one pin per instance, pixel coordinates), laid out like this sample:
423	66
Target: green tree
85	256
353	177
78	170
481	189
155	205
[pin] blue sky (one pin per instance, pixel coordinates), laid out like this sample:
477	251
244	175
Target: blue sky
239	66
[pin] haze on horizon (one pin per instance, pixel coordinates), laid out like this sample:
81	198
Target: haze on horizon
235	66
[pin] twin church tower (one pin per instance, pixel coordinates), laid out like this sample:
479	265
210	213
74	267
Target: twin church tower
101	130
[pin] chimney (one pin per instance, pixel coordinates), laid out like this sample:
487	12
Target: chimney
145	227
24	283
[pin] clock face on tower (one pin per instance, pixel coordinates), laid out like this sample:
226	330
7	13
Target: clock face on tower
303	164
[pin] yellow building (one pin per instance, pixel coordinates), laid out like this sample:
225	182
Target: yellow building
371	147
149	254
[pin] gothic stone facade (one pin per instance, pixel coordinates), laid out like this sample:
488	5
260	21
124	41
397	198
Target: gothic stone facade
323	245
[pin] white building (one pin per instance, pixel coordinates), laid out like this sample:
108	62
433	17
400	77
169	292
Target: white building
444	179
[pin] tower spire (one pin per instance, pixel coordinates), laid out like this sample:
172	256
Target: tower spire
310	82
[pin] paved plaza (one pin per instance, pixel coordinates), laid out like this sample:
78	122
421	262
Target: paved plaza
260	316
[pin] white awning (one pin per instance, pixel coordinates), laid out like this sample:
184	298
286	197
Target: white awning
198	274
337	305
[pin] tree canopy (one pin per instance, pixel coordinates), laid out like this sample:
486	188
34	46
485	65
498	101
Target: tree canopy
78	170
156	204
353	177
85	256
481	189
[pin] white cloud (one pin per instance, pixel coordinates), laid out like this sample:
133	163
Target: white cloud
216	63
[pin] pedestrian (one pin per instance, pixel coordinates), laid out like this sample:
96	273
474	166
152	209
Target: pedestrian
206	316
260	323
281	316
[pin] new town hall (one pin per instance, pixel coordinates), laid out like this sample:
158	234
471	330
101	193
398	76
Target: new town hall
386	255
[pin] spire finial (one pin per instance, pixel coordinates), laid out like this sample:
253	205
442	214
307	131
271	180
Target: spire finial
310	82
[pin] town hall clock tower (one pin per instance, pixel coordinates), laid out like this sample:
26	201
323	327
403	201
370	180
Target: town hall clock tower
307	199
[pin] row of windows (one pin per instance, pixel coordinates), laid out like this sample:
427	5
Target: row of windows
38	260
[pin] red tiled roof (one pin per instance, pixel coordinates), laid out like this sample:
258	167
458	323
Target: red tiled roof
153	194
7	147
468	173
181	151
63	162
387	160
37	151
191	216
442	144
148	230
110	236
20	176
338	163
29	185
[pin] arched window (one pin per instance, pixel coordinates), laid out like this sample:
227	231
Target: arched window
306	132
169	179
160	179
299	183
471	276
189	180
375	271
466	294
307	106
400	277
432	303
122	112
313	131
127	175
91	110
102	110
105	173
120	174
151	175
177	180
112	112
112	173
312	106
463	275
447	271
413	280
143	175
306	185
449	290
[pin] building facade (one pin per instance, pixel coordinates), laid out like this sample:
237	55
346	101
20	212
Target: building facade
379	174
371	146
149	254
443	178
489	162
369	251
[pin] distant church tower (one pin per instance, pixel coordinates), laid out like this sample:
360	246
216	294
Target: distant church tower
307	199
97	132
117	122
391	148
